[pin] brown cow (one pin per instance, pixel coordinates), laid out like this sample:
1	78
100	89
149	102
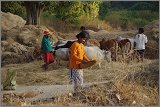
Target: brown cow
93	42
110	45
125	47
125	44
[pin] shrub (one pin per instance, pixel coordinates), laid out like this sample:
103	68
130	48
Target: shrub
126	19
14	7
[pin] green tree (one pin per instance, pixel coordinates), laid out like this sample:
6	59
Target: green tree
15	7
51	7
72	11
34	10
104	9
30	10
69	11
91	9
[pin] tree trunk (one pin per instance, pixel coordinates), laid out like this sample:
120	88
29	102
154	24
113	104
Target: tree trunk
34	10
39	10
34	13
39	14
29	18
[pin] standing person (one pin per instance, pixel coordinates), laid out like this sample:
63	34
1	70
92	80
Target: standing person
140	41
77	56
47	49
83	29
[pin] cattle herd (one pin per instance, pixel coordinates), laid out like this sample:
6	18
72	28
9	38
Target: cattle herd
110	50
118	49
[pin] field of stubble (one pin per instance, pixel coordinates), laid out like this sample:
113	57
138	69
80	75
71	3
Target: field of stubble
133	83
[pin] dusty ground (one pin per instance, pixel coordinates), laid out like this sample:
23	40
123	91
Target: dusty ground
137	77
33	74
140	77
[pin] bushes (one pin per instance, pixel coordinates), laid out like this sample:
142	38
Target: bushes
131	19
153	6
15	7
121	20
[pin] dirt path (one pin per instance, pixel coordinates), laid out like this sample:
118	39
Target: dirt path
40	92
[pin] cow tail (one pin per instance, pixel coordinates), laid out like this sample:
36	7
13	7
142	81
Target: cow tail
116	49
130	52
54	53
56	47
130	46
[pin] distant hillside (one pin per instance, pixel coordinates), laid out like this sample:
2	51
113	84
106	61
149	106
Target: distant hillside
135	5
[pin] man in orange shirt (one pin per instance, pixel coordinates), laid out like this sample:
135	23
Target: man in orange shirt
83	29
77	56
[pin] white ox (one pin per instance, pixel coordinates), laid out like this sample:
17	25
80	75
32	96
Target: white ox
93	53
62	54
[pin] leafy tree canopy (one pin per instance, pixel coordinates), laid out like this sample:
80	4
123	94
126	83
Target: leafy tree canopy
15	7
68	11
104	9
91	8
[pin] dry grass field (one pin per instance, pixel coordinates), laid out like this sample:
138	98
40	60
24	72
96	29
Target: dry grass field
126	83
133	83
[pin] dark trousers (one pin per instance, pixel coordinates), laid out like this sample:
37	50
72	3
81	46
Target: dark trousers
141	54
